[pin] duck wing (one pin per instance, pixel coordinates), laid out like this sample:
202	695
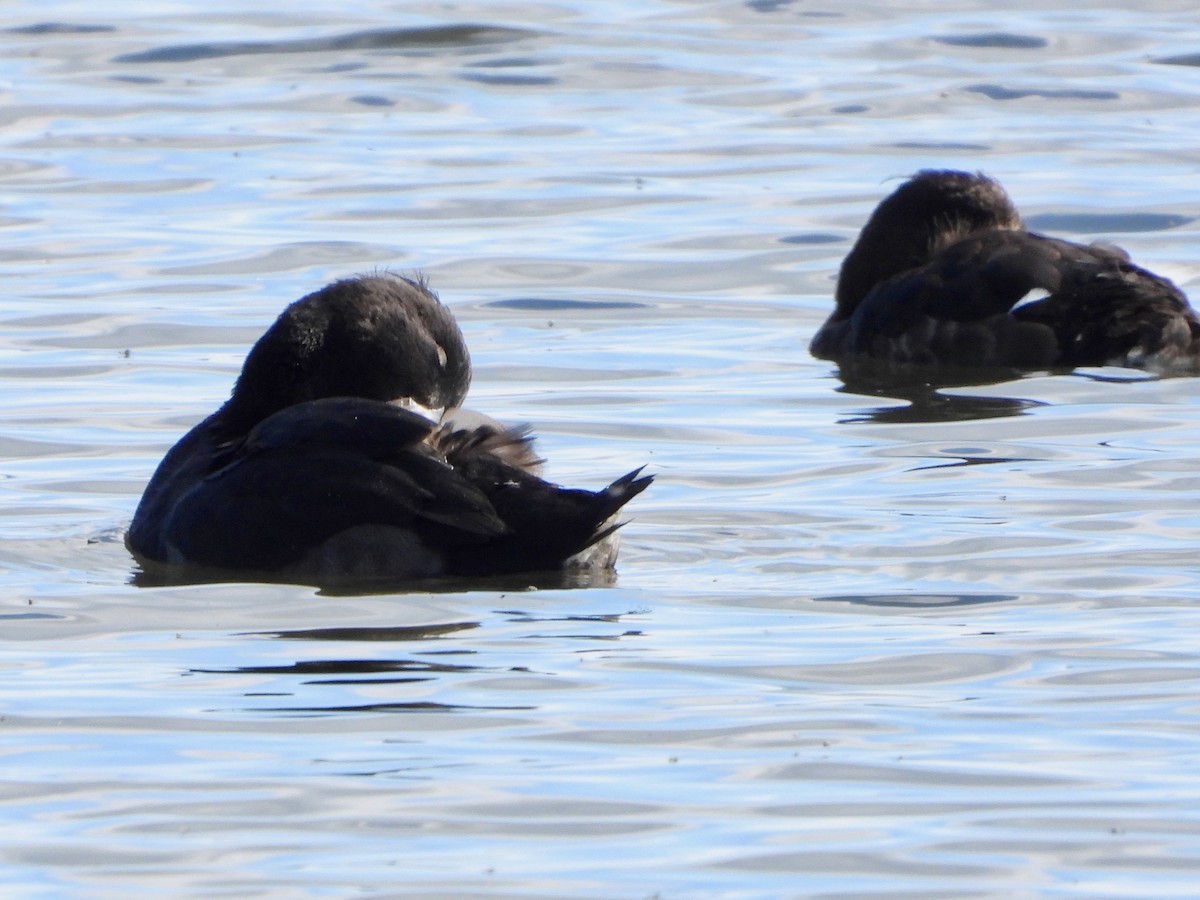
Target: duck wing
373	428
1121	315
956	308
545	524
464	433
315	470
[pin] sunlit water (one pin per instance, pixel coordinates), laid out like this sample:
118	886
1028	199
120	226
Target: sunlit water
864	640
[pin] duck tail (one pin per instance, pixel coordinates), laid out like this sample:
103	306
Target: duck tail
627	487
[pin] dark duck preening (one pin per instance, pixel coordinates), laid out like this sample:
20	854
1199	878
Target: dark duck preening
940	270
313	471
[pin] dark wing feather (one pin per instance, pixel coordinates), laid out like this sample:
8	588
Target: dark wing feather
513	445
961	308
373	428
956	308
547	524
1123	315
313	471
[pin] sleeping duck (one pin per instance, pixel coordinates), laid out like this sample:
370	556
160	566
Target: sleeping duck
938	272
314	471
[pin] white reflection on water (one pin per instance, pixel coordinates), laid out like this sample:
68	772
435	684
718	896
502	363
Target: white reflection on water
869	635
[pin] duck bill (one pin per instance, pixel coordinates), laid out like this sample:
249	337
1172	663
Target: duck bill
433	413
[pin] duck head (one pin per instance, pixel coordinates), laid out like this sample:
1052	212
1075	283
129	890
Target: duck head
379	337
930	211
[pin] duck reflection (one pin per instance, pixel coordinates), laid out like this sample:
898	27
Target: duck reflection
560	579
922	388
410	668
335	671
918	601
390	634
355	672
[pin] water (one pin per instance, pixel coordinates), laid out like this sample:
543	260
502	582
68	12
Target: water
863	642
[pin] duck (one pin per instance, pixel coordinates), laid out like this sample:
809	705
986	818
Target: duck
324	465
945	273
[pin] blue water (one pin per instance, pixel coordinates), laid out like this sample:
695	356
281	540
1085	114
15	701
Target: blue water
863	641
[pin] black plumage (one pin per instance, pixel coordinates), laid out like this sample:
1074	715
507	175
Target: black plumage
313	472
944	273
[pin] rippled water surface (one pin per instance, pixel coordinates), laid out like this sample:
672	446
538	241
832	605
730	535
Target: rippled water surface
865	640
